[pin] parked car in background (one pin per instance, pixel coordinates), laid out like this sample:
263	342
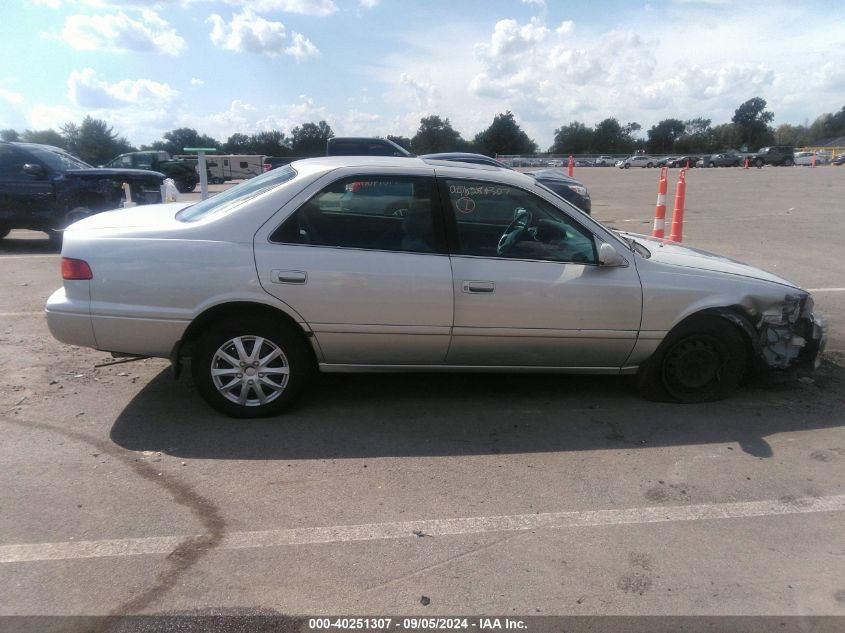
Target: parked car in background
364	146
582	162
569	189
774	155
806	158
636	161
684	161
184	173
44	188
555	162
839	159
604	161
723	160
270	280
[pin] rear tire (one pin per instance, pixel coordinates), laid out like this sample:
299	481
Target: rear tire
702	360
251	367
186	186
56	235
788	162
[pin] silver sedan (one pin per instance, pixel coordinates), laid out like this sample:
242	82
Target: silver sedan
383	264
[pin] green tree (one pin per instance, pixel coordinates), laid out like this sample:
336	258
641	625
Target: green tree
95	141
504	136
436	135
725	136
697	137
270	143
10	135
752	122
310	139
175	141
662	137
794	135
610	137
238	144
575	138
828	126
45	137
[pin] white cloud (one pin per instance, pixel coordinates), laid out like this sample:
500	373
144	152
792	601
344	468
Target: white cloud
302	7
88	90
11	97
196	81
251	33
428	96
302	48
119	32
248	32
369	4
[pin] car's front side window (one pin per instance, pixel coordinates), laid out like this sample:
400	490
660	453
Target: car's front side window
391	213
494	220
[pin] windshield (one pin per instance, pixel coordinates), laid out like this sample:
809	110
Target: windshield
57	159
237	195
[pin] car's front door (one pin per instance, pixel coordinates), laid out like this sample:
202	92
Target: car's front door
529	290
364	262
26	190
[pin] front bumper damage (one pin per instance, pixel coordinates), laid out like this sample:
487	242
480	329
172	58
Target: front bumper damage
791	335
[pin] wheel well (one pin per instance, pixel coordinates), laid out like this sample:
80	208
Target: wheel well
739	318
234	310
90	200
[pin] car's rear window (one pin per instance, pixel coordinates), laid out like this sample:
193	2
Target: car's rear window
237	195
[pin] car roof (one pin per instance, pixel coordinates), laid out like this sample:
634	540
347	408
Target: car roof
27	145
446	168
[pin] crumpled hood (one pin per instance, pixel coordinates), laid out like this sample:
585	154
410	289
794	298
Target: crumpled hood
674	254
141	216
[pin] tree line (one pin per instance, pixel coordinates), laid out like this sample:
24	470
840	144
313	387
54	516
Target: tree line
96	142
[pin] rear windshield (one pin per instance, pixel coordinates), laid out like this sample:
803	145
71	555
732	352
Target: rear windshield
237	195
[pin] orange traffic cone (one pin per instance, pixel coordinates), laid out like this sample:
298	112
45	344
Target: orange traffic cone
745	166
660	208
678	214
571	166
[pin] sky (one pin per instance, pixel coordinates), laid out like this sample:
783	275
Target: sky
375	67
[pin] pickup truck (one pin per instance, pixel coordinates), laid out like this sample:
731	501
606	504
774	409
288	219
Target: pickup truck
183	173
43	188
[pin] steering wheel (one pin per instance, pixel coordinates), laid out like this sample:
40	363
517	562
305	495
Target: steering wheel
514	231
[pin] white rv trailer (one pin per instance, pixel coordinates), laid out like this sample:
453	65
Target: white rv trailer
225	167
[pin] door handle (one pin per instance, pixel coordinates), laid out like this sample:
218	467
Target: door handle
480	287
289	276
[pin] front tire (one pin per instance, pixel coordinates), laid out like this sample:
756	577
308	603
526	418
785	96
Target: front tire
702	360
251	367
788	162
4	231
186	186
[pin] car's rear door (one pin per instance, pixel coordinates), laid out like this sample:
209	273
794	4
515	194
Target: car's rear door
372	279
529	291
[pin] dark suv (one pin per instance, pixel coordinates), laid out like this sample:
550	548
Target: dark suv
774	155
43	188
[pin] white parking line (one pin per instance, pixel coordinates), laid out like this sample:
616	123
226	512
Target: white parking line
825	289
31	552
21	314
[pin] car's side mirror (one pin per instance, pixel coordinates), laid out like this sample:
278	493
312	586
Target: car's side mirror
609	256
33	170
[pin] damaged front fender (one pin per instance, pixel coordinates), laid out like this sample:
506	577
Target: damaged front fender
790	334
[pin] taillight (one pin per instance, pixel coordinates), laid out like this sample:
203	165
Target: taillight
75	269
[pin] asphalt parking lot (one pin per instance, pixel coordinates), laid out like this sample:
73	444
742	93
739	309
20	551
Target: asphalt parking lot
121	492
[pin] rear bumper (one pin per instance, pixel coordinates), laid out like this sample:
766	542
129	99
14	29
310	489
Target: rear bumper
69	321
